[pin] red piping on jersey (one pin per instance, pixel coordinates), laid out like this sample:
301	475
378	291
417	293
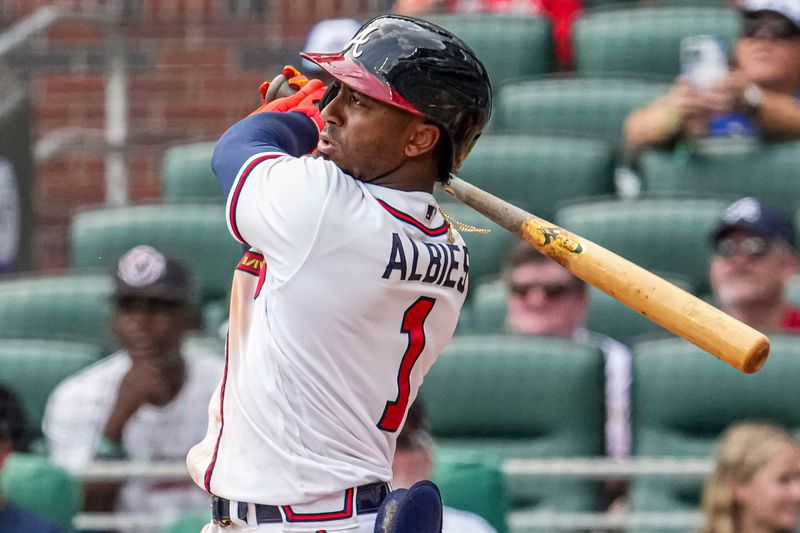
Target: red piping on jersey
210	469
238	190
347	512
408	219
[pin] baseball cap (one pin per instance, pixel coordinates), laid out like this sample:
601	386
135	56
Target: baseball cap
788	8
145	272
759	219
329	36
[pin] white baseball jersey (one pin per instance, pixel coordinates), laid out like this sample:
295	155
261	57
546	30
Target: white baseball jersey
330	335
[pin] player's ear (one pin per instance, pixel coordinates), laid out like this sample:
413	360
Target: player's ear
422	138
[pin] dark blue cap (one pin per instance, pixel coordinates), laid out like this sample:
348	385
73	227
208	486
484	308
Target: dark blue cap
754	217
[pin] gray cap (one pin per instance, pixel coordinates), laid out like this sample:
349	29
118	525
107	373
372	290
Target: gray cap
146	273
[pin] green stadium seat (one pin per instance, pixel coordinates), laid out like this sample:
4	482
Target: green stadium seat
606	315
521	397
510	46
35	484
537	172
72	306
186	175
768	171
472	483
486	309
645	41
193	233
668	235
682	399
33	367
579	107
485	250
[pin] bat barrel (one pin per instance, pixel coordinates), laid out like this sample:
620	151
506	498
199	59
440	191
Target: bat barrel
676	310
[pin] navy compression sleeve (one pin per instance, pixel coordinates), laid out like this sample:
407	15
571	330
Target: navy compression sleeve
288	133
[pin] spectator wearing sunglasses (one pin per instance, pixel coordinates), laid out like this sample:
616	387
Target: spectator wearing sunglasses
546	299
753	260
760	96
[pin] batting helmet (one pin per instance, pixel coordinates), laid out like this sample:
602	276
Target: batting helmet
421	68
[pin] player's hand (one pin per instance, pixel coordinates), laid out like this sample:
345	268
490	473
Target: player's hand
304	101
289	81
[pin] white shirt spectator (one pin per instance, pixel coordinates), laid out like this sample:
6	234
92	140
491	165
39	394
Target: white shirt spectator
79	407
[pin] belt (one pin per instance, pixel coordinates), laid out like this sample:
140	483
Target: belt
368	499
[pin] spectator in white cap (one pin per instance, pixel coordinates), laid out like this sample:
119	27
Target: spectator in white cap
760	96
146	402
753	260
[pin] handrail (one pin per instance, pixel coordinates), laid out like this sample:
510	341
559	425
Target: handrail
581	467
116	98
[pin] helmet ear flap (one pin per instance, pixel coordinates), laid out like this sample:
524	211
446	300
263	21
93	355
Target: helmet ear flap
330	94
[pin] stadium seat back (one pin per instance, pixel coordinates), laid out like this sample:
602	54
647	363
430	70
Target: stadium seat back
660	234
645	41
33	367
521	397
537	172
195	234
767	171
683	399
186	174
32	482
580	107
72	306
510	46
474	484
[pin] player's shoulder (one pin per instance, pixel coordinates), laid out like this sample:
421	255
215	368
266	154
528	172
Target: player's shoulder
279	166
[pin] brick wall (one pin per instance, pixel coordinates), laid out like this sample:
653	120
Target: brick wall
195	67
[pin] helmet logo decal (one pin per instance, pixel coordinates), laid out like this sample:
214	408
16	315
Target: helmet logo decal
360	39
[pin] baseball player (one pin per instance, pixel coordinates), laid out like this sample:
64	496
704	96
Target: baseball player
351	287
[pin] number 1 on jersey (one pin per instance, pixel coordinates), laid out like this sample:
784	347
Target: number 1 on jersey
413	322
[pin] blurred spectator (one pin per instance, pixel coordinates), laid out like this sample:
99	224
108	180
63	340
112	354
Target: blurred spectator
562	13
544	298
753	261
13	438
146	402
327	36
755	484
413	461
761	95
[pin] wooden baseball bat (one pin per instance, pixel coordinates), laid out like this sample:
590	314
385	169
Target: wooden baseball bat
685	315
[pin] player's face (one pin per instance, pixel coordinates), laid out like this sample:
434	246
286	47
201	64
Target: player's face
770	501
769	51
148	327
545	299
364	137
748	270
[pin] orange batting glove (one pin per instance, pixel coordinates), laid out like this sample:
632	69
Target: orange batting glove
304	101
290	77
